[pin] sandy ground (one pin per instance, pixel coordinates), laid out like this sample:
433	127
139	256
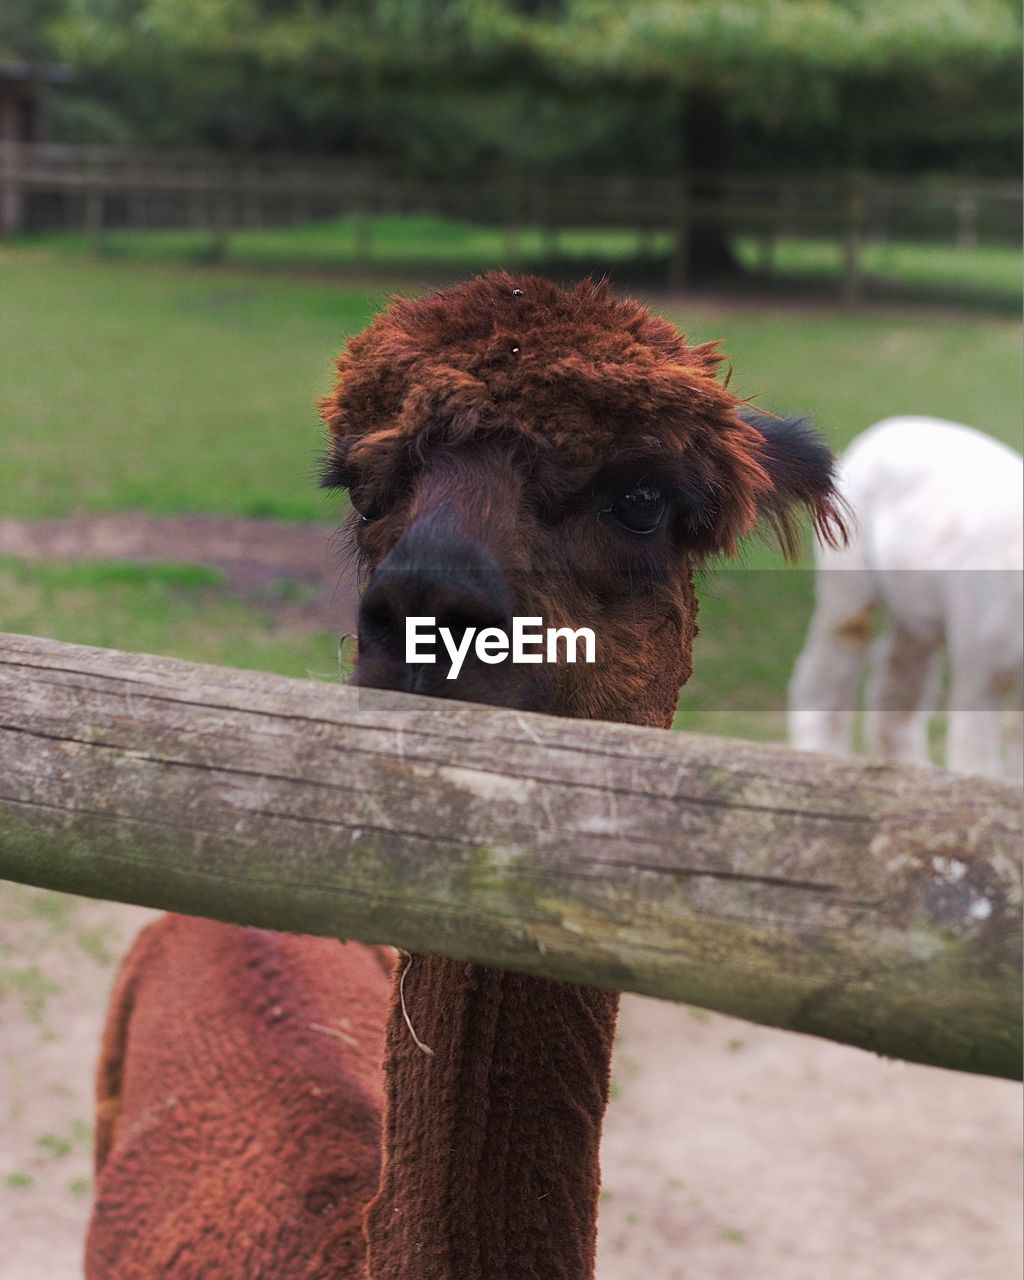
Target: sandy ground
735	1151
731	1151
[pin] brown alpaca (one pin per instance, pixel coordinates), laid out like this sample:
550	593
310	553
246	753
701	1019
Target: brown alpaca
510	449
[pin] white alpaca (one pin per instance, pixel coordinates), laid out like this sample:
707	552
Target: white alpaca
939	542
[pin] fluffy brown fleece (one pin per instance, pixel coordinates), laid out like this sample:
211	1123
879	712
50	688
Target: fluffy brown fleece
238	1106
234	1138
578	375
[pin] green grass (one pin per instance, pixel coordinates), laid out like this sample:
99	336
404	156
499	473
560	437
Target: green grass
848	370
752	626
423	241
177	610
986	271
170	389
54	1145
399	241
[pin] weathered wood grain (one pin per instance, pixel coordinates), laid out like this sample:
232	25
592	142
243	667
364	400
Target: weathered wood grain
872	904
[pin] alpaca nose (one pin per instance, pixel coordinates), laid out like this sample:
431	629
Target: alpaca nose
433	572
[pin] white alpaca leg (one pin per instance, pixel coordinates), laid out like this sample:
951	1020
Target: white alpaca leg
985	679
1014	753
975	731
975	742
904	679
823	689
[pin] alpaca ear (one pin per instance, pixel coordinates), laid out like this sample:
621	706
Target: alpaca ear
801	468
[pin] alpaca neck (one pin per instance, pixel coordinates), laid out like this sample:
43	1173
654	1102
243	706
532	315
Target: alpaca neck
491	1167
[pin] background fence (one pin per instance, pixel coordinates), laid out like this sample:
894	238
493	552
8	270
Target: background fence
45	185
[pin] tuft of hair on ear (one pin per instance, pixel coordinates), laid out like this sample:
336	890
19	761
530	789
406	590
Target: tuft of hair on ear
801	468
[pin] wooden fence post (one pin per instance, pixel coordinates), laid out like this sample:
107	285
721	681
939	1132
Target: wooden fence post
853	242
363	204
221	226
362	245
645	241
766	251
679	263
363	240
94	201
513	210
12	194
966	210
550	245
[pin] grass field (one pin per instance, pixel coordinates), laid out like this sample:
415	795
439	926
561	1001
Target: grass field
168	388
175	609
425	242
919	269
173	389
401	240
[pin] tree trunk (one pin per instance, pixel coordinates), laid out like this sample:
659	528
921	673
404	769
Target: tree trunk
707	151
872	904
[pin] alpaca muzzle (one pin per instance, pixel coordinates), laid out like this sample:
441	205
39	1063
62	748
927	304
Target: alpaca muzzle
436	572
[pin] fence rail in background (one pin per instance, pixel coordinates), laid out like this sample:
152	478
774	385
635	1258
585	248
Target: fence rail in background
98	187
871	904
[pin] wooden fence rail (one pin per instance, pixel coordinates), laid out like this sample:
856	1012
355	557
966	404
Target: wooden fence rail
96	187
875	905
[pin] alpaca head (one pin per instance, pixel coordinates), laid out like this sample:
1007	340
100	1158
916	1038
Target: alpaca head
512	448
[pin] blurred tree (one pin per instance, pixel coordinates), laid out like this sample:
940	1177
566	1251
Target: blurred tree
781	73
777	64
452	85
23	28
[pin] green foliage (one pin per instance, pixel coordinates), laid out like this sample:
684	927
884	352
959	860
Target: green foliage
702	43
592	83
147	612
850	80
24	27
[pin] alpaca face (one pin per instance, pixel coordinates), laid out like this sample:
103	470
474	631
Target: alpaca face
515	450
480	537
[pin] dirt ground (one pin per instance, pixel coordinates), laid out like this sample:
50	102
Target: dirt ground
731	1151
253	555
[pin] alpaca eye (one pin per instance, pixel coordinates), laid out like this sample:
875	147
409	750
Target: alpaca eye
641	508
367	513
